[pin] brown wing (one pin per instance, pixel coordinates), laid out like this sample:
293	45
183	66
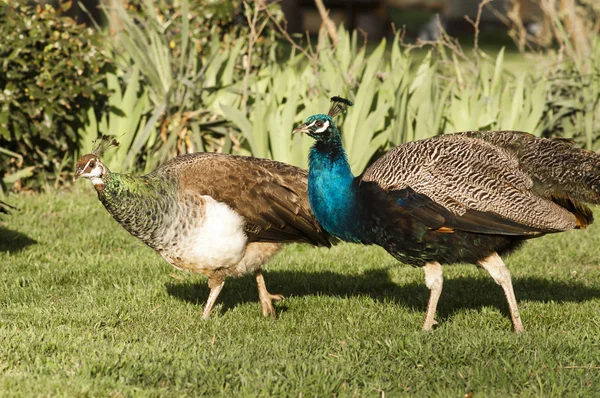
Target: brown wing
471	184
271	196
437	217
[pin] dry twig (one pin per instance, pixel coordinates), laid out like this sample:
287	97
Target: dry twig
329	25
476	28
259	5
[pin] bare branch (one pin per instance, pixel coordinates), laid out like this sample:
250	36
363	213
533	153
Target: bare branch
252	22
329	25
476	27
287	36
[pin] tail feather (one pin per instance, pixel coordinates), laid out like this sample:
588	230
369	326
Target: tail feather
559	169
582	212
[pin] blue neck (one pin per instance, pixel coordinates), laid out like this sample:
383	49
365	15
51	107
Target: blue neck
332	191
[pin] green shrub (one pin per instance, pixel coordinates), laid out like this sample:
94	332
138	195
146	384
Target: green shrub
185	60
573	100
51	73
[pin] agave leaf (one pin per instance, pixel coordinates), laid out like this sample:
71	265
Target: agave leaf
497	80
517	103
241	121
232	59
17	175
185	32
373	63
263	109
88	133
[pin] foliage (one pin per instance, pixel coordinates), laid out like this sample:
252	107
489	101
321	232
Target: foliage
574	100
50	75
186	62
289	93
91	311
188	78
395	101
494	100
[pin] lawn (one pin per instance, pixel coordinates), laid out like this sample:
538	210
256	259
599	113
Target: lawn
87	310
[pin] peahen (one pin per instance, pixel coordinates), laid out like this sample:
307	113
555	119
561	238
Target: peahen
216	214
467	197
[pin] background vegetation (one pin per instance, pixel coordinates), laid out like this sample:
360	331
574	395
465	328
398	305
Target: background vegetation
176	77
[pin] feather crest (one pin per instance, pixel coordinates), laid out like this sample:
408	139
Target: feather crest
338	105
103	143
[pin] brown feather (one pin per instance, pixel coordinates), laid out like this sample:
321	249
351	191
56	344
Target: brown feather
271	196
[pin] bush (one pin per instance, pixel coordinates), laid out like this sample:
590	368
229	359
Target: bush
50	75
180	63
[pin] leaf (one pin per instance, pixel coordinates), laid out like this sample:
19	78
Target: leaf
241	121
14	177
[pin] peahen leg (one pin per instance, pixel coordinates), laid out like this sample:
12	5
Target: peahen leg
434	280
266	298
495	266
215	289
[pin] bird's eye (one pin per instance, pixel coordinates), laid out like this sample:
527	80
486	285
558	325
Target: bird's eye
319	124
92	164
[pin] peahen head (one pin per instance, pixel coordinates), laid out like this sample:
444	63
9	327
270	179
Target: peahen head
321	127
90	166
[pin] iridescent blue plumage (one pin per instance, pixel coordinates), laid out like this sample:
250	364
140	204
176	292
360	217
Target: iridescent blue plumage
331	191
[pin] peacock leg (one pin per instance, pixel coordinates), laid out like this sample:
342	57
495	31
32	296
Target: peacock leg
497	269
266	298
215	289
434	280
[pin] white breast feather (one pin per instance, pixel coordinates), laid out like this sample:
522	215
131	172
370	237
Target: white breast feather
218	241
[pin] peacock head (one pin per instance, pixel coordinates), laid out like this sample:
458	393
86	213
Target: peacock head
90	166
320	126
317	126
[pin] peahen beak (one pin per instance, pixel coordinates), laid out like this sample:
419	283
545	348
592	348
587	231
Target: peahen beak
301	129
77	174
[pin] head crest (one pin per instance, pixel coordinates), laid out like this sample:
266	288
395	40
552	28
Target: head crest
338	105
103	143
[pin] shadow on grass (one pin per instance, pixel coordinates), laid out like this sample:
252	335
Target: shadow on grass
14	241
458	293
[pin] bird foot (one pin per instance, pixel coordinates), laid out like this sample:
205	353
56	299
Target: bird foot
429	326
267	303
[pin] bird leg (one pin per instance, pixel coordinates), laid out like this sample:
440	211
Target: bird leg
215	288
434	281
266	298
497	269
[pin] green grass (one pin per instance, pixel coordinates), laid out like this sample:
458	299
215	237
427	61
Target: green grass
87	310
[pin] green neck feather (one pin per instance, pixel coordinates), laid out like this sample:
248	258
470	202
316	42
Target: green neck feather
144	206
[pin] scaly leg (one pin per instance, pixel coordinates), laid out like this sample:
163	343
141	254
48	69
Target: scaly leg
266	298
215	289
434	281
497	269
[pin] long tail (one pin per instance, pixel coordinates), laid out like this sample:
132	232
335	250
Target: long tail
561	172
557	167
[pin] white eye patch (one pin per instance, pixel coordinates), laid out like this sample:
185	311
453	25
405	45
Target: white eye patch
325	127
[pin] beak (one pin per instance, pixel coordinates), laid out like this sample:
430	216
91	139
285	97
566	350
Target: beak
301	129
76	175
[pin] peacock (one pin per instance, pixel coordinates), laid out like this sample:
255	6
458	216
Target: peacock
216	214
467	197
